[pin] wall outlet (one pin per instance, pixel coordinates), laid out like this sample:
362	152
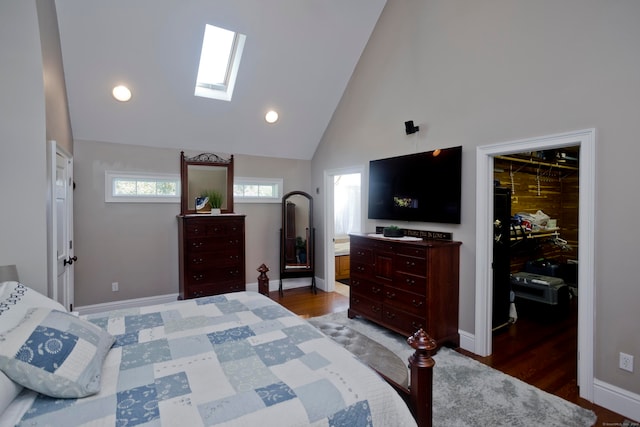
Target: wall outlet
114	286
626	362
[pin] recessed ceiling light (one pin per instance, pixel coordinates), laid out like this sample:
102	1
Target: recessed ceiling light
271	116
121	93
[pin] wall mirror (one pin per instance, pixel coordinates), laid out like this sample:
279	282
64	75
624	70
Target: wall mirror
202	174
297	237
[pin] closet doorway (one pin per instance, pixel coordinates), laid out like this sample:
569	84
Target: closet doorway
486	156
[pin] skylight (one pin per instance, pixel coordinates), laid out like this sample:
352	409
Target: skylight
219	63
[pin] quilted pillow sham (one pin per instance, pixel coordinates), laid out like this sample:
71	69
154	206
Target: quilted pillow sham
55	353
15	300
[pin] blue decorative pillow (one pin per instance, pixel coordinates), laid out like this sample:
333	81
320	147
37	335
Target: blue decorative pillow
55	353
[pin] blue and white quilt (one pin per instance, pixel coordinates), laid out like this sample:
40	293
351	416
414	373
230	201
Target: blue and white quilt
237	359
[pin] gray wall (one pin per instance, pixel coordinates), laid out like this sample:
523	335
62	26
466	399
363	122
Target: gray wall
476	73
136	244
33	109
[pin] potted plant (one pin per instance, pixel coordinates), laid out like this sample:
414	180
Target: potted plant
301	250
215	201
392	231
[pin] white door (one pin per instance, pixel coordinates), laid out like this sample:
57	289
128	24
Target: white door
61	251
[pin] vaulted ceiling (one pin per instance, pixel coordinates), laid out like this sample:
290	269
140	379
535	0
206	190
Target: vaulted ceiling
298	58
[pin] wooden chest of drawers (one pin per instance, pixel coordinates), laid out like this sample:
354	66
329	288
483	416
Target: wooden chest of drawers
407	285
212	256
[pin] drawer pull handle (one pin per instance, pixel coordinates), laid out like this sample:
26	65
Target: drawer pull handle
375	309
375	290
355	283
417	303
410	282
416	325
391	295
197	261
198	277
197	244
390	315
411	263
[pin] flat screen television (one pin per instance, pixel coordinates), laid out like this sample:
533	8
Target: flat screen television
417	187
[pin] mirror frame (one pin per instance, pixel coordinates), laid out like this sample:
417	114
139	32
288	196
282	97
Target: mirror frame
309	238
204	159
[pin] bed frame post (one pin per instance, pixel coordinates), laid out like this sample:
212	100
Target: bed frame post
421	366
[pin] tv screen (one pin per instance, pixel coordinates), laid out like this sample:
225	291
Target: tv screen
417	187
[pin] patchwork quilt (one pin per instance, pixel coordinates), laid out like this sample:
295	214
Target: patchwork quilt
237	359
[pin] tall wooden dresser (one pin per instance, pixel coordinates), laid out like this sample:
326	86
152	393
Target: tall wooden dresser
406	285
212	254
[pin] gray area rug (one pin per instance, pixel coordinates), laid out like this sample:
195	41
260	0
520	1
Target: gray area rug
468	393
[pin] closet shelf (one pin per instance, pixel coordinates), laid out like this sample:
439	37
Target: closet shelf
520	233
537	163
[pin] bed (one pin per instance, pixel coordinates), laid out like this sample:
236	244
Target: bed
237	359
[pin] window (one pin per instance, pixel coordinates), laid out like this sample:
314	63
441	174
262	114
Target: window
257	190
219	63
135	187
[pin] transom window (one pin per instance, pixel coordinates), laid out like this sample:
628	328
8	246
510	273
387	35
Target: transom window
219	63
257	190
141	187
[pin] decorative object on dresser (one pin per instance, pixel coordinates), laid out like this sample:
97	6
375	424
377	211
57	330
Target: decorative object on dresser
297	237
211	247
406	284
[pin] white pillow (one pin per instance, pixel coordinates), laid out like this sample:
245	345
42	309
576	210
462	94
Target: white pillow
15	300
55	353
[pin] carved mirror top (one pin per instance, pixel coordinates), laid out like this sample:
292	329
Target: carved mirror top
202	175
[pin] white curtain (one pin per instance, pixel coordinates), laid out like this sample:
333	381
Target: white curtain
346	204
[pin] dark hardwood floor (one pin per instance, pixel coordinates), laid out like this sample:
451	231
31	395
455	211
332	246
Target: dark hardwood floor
540	348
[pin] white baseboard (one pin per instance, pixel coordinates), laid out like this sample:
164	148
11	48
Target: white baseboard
467	341
129	303
616	399
161	299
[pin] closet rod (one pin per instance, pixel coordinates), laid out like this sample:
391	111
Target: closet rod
535	162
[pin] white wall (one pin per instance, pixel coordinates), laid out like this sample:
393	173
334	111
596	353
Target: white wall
475	73
22	144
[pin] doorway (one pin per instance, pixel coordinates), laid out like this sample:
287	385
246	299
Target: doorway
343	215
585	139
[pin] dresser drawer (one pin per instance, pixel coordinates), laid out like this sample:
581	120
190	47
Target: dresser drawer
411	265
365	288
413	251
360	254
410	282
404	322
365	306
405	301
215	275
206	228
361	269
201	244
221	258
212	289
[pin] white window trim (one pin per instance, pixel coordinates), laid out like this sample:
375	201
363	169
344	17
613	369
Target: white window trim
109	177
239	180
